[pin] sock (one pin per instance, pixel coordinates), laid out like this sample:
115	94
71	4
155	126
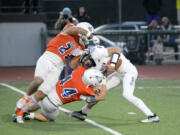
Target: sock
26	98
19	112
31	115
85	109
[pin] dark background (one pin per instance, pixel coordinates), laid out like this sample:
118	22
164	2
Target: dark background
100	11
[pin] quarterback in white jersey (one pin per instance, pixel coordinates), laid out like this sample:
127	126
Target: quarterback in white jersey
118	69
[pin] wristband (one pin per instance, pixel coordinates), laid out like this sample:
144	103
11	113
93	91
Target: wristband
114	59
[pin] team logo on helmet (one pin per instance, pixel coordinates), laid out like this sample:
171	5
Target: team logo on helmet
90	29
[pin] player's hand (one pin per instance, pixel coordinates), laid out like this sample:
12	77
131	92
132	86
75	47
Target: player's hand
110	68
89	99
83	37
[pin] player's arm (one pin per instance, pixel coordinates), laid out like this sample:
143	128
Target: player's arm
75	31
101	93
111	51
115	62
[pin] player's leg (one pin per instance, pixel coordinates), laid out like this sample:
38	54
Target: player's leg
31	89
42	69
46	71
28	107
49	111
34	85
128	93
43	91
38	116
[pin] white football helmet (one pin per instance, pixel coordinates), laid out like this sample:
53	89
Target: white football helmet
92	77
87	26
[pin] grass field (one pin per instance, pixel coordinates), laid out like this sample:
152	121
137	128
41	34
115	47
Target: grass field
162	96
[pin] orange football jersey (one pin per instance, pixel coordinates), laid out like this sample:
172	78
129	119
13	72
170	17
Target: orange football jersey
71	88
63	45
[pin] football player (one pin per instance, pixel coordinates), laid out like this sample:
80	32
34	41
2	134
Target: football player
118	69
69	42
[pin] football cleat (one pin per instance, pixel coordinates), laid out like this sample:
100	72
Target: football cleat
19	119
153	118
77	114
26	116
19	116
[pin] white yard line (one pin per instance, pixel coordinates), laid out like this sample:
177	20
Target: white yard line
131	113
65	110
158	87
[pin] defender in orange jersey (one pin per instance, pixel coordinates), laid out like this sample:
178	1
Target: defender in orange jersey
70	42
63	44
83	83
70	88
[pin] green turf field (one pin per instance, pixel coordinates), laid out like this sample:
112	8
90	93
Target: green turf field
162	96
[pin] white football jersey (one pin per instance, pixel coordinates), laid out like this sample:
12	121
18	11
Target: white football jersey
100	56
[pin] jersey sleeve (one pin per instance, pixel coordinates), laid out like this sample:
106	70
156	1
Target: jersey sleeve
99	53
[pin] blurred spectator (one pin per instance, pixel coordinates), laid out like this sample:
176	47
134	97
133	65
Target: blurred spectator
169	40
65	17
153	26
152	7
31	6
156	46
82	15
157	51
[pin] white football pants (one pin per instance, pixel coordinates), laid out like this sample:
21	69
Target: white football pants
128	81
